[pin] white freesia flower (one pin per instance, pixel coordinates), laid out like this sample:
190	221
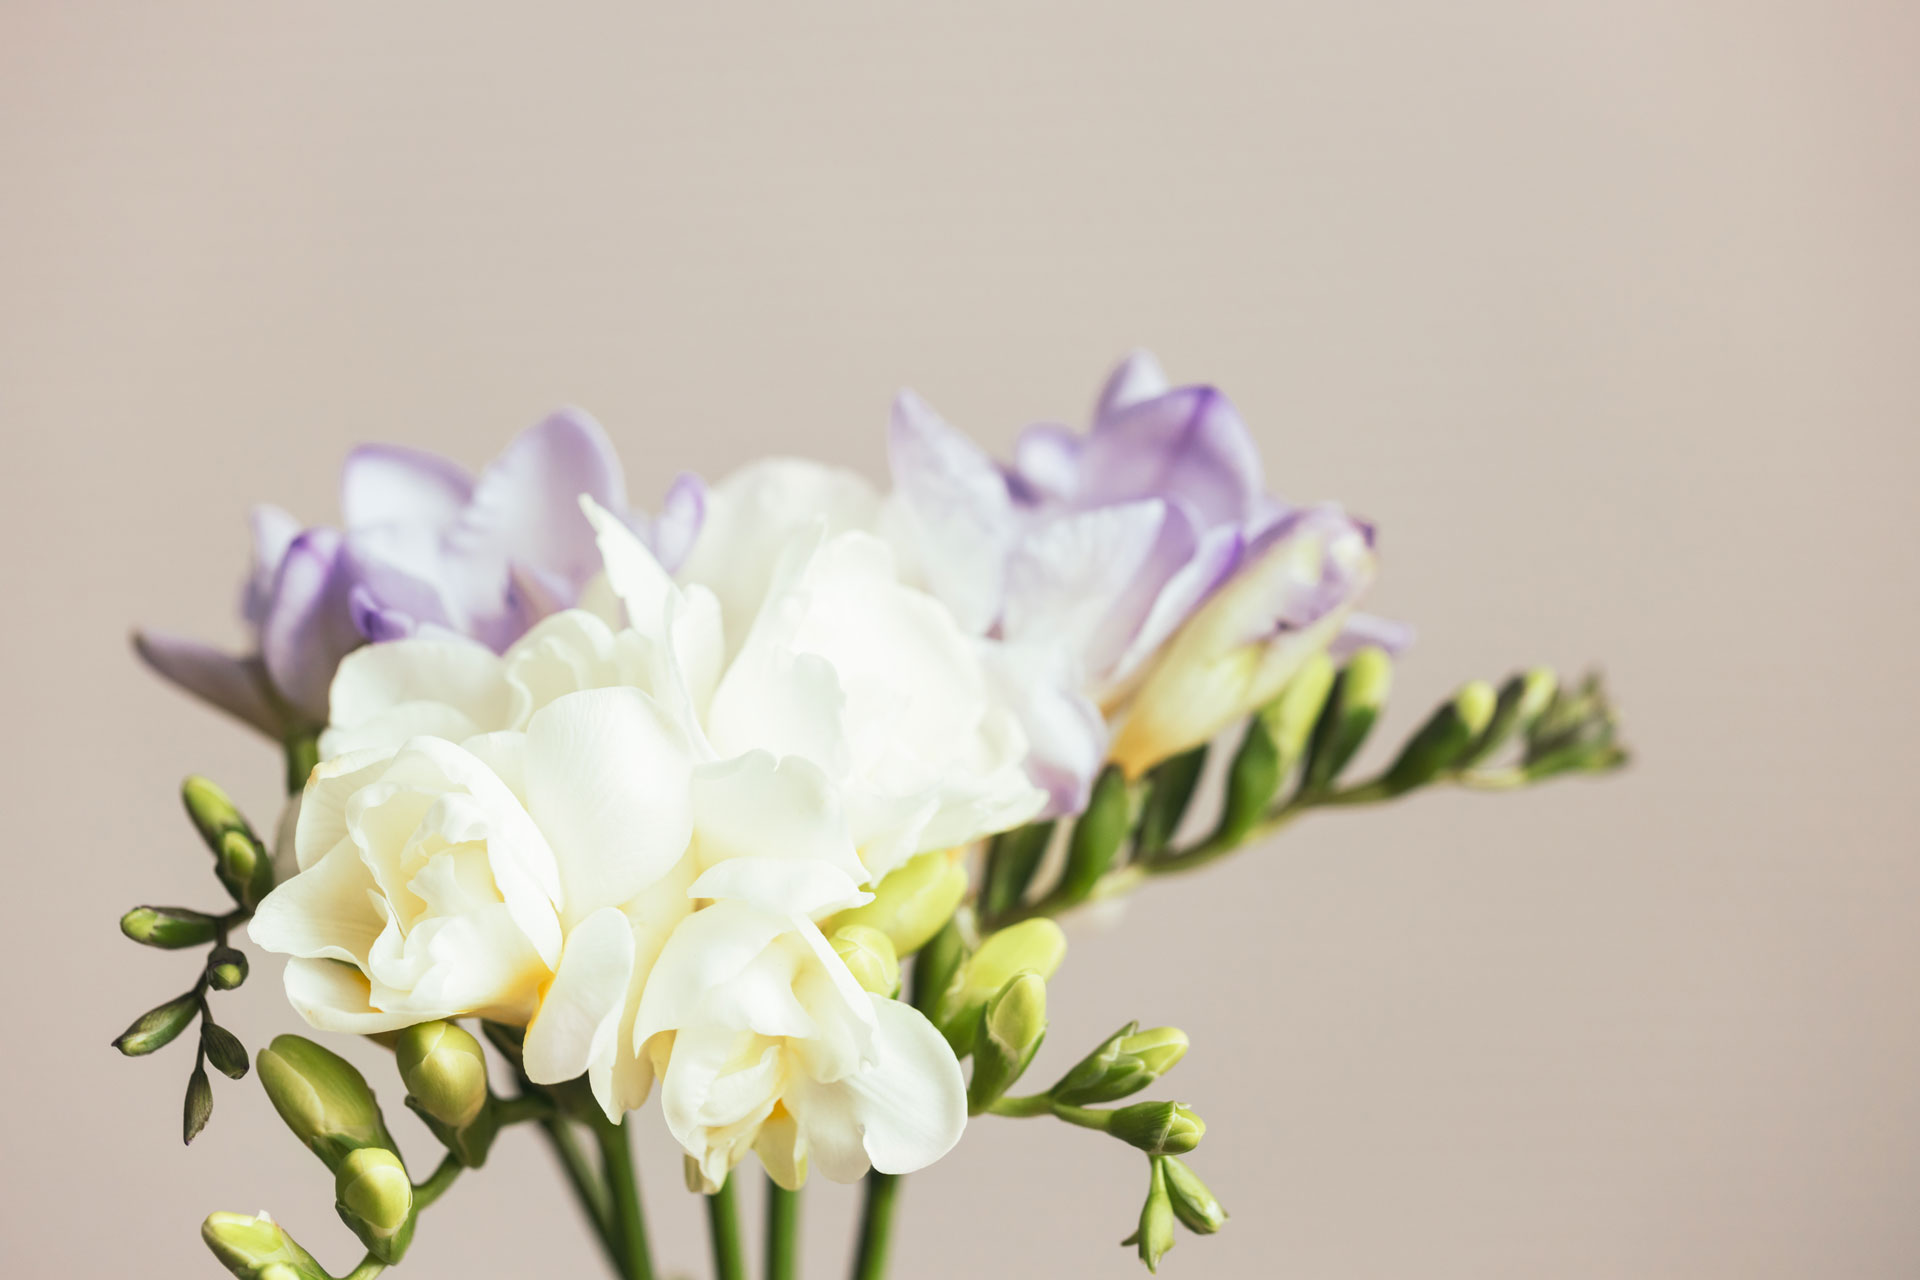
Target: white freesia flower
621	833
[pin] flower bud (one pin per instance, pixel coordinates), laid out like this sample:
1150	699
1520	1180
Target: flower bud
1252	636
1097	836
1013	859
158	1026
1522	698
1291	716
1193	1204
1351	708
212	812
374	1198
913	901
1575	732
244	867
1124	1064
1169	791
937	967
1154	1236
445	1072
253	1247
1252	781
1035	946
322	1098
1158	1128
1444	739
1012	1025
226	968
223	1050
169	928
869	957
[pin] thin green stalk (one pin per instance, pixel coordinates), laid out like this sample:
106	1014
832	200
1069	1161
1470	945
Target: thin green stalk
723	1228
783	1232
876	1225
369	1267
587	1188
425	1193
623	1189
1034	1104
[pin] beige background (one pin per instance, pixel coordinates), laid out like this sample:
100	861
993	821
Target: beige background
1606	312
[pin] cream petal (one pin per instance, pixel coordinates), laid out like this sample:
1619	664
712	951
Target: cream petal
607	780
580	1013
757	806
708	948
324	912
381	691
322	820
335	997
900	1114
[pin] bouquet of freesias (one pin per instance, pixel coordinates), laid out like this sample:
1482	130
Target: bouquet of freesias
766	803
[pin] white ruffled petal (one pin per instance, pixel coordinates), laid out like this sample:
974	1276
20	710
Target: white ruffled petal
580	1013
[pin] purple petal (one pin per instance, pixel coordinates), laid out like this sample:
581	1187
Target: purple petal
1187	445
1079	583
272	531
1366	630
526	506
309	625
377	622
1344	571
1066	734
682	513
1137	378
960	508
237	686
1046	463
1211	563
386	484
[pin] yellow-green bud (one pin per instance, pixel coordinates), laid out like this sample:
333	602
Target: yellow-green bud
169	928
1158	1128
1193	1204
374	1197
445	1072
226	968
914	900
255	1248
323	1099
1290	717
1012	1025
869	957
1154	1236
158	1026
1444	739
1035	946
244	867
1097	835
1252	781
1348	717
1127	1062
212	812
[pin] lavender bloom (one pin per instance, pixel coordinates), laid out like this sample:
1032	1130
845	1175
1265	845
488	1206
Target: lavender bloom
425	547
1084	557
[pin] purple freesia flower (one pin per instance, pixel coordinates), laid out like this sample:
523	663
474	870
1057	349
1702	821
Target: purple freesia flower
424	547
1081	559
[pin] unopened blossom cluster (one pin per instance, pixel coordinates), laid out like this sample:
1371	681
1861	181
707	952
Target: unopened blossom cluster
603	774
659	801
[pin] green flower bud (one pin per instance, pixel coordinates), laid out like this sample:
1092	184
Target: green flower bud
938	965
1351	709
374	1198
226	968
913	901
1291	716
212	812
869	957
198	1106
1522	699
244	867
1575	732
1443	740
158	1027
1170	786
1013	859
1012	1025
1097	836
1193	1204
445	1072
1252	781
1127	1062
1035	946
1158	1128
169	928
223	1050
1154	1236
255	1248
322	1098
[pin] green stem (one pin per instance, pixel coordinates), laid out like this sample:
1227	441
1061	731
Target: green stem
586	1187
723	1228
1034	1104
783	1232
369	1267
876	1225
425	1193
623	1188
1085	1117
528	1106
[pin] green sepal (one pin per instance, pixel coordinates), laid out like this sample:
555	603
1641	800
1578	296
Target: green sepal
1013	859
158	1026
1012	1025
1352	707
169	928
198	1106
1097	836
1170	787
1446	736
1252	781
1154	1236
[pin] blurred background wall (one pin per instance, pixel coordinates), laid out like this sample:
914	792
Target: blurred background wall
1606	313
